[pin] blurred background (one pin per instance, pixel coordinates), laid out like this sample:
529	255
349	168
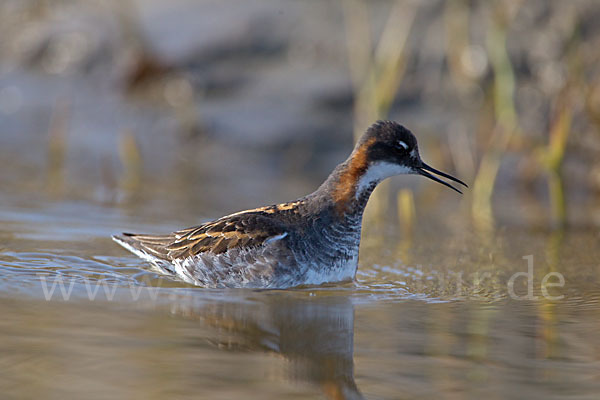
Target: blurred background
212	106
152	115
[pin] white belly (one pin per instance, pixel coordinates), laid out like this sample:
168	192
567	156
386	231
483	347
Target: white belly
339	272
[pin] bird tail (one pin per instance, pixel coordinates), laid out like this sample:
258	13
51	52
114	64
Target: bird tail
148	247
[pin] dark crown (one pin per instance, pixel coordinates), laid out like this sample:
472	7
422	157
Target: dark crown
387	141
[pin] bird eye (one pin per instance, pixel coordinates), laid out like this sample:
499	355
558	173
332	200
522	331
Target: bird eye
402	145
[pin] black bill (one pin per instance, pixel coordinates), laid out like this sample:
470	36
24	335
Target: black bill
424	168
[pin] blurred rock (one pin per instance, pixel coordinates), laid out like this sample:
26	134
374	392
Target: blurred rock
267	82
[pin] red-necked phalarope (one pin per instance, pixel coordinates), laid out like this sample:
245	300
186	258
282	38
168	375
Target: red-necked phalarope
312	240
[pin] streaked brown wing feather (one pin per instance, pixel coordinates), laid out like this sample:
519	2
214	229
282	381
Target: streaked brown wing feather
234	231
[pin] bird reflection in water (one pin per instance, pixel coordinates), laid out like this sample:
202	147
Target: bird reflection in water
315	334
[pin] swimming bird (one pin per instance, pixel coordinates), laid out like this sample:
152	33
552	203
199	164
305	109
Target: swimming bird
309	241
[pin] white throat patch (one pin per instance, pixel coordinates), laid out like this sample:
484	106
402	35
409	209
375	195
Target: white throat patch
378	172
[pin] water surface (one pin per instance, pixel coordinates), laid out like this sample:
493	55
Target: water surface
431	315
